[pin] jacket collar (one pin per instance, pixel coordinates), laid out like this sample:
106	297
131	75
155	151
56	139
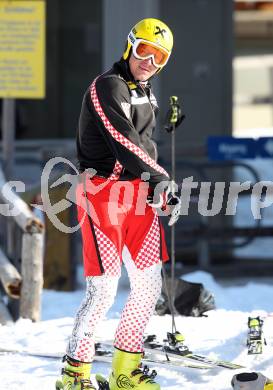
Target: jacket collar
123	68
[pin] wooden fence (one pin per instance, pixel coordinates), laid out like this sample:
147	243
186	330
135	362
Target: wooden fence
26	283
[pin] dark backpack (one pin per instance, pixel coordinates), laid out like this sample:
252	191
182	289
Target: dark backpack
191	299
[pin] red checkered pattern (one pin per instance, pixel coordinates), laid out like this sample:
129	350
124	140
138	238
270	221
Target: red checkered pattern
85	349
149	253
100	294
108	252
116	171
119	137
145	291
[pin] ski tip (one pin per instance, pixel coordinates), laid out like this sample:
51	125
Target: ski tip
102	382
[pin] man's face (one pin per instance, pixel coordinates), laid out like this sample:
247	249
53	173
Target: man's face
142	70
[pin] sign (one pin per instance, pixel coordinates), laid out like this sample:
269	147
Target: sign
230	148
22	49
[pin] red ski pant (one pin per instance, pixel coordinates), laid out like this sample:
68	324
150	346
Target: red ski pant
113	214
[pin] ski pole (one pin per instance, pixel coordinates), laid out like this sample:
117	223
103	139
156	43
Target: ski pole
173	120
174	115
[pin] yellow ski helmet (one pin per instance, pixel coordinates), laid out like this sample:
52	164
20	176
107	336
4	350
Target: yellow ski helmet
151	31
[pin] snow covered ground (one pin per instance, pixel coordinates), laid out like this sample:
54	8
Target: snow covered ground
222	334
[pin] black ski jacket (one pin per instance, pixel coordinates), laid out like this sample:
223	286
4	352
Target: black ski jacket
116	125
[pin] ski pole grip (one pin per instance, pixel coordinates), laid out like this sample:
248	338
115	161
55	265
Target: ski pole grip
174	109
174	115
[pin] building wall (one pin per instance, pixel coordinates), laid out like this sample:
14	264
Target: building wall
200	70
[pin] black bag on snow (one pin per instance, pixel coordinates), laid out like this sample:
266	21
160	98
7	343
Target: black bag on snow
191	299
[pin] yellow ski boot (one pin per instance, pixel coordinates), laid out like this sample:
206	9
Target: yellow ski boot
126	372
75	376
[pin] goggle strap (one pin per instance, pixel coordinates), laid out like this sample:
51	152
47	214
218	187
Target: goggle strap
132	38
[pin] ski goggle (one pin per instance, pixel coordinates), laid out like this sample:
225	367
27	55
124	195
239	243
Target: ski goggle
143	49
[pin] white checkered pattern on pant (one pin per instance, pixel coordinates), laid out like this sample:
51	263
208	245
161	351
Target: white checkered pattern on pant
108	252
145	291
116	171
149	253
100	294
119	137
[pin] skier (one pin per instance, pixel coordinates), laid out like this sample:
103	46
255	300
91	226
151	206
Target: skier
117	201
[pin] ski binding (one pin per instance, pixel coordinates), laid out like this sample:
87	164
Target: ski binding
255	337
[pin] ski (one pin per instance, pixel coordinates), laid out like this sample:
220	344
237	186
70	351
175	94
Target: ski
174	346
171	349
172	353
104	350
255	336
104	354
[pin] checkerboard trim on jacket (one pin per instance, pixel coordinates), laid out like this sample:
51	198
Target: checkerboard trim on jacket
118	136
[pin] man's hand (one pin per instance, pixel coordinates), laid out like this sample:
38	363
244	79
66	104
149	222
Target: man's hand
167	202
174	204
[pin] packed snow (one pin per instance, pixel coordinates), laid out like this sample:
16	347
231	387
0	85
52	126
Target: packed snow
221	334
